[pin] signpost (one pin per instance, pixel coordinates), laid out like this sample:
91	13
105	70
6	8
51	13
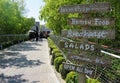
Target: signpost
79	46
91	21
77	68
87	59
97	7
85	46
99	34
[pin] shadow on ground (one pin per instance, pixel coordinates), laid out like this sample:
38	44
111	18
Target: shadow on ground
26	46
11	79
18	61
14	79
11	57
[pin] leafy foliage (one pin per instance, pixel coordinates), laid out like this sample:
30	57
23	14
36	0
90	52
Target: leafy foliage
71	77
57	62
12	20
62	71
92	81
57	22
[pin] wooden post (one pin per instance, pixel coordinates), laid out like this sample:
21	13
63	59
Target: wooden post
83	22
81	78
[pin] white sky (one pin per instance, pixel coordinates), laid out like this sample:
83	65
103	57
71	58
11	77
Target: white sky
33	7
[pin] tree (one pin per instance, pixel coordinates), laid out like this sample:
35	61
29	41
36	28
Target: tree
12	20
57	21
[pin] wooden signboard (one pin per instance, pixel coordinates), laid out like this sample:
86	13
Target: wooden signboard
85	22
79	46
91	21
90	59
76	68
98	7
99	34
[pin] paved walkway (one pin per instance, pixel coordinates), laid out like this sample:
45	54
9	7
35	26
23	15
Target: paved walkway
27	62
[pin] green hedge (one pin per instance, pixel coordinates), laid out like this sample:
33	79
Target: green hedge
63	72
51	44
56	53
12	42
57	62
6	44
92	81
56	50
72	77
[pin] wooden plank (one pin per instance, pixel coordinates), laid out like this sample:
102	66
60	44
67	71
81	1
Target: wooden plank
101	61
99	34
92	21
98	7
79	69
79	46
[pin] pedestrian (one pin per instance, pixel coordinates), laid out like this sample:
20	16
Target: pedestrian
31	35
36	33
41	35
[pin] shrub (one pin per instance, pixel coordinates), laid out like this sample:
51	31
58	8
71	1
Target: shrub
55	54
50	42
63	72
52	60
56	50
58	55
72	77
57	62
7	44
92	81
52	48
51	45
